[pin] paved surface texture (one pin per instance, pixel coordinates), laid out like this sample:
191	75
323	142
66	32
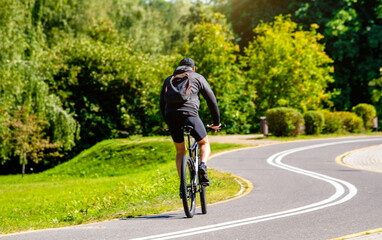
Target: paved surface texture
250	140
368	158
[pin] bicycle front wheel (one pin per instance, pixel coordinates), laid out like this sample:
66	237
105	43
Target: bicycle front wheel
203	201
188	186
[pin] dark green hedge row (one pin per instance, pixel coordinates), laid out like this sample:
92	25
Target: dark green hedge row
290	122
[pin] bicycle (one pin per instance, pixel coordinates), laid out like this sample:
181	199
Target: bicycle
189	180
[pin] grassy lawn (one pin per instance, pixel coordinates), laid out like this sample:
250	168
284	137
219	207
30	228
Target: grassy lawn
114	178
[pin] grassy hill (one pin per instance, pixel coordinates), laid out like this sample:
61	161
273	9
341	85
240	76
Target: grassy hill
117	157
114	178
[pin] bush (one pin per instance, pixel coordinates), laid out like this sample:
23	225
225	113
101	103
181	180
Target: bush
350	121
332	123
107	87
367	112
284	121
314	122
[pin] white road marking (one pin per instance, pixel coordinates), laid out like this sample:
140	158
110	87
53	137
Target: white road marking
338	197
241	187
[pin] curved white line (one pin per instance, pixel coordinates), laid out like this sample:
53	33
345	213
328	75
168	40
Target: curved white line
276	160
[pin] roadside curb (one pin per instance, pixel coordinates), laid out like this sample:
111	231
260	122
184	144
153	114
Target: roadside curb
340	158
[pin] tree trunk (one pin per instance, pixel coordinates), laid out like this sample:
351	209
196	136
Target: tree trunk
24	157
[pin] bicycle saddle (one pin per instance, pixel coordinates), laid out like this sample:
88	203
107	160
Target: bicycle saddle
187	128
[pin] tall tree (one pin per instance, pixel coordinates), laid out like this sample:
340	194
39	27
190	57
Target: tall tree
353	37
245	15
215	54
22	83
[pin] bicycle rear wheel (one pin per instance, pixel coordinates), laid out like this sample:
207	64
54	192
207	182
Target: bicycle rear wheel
187	186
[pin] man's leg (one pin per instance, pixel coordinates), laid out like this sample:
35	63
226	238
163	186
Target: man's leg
181	150
205	149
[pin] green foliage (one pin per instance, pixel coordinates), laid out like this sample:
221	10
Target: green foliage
333	124
107	87
340	122
23	89
215	57
376	85
314	122
287	66
284	121
367	112
155	26
350	122
245	15
27	139
353	36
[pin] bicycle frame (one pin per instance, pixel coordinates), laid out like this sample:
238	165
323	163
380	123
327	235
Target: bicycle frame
193	152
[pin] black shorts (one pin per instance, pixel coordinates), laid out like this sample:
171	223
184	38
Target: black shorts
176	120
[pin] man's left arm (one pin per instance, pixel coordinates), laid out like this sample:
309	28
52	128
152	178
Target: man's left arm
212	104
162	104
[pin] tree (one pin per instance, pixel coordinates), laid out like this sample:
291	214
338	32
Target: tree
27	138
215	57
107	87
287	67
245	15
22	84
353	38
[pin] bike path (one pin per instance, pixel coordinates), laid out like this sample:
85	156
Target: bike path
283	204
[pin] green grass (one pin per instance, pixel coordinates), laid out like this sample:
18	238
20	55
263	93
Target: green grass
114	178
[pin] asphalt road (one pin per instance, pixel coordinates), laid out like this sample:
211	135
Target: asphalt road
299	192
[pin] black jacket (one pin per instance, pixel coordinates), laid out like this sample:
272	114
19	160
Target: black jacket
199	85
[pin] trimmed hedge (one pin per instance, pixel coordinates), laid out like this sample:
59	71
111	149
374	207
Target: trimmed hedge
367	112
314	122
332	124
342	122
284	121
350	121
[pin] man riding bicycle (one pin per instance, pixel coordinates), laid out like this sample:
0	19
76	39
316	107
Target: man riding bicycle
179	104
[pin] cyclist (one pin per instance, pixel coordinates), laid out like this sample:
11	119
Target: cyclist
185	111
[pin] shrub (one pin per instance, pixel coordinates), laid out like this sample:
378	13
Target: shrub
367	112
314	122
332	123
107	87
350	121
284	121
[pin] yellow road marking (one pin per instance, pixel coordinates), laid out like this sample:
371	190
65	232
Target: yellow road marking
358	234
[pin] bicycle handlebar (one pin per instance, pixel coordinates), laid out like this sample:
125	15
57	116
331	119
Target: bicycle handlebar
211	129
